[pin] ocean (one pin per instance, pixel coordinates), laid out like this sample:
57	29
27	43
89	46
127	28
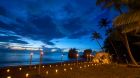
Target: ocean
16	58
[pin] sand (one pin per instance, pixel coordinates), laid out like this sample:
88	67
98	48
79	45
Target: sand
71	70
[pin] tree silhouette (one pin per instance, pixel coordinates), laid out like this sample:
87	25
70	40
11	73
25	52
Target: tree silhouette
72	53
96	36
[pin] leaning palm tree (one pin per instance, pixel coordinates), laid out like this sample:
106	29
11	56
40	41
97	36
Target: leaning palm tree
125	23
104	23
96	36
128	23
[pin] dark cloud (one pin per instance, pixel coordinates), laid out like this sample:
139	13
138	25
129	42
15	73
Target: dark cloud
50	43
39	28
45	20
12	39
3	11
79	34
73	25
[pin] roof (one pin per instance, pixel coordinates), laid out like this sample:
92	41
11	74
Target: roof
131	20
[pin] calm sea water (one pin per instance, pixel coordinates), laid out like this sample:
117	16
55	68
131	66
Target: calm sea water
23	58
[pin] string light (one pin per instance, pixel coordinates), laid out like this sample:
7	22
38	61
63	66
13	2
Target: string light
20	69
50	66
43	66
71	68
8	70
27	75
65	69
56	70
47	72
35	67
85	66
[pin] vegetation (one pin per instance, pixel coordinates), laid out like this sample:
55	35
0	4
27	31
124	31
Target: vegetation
105	23
86	53
96	36
126	23
72	53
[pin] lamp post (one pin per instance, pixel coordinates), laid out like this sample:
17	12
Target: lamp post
87	57
41	54
31	55
61	59
90	57
77	58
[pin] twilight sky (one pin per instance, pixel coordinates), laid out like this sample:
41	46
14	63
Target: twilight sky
50	23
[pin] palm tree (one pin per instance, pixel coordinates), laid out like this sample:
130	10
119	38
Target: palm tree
128	24
96	36
87	53
72	53
125	23
104	23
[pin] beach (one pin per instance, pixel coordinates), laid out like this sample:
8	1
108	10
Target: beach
71	70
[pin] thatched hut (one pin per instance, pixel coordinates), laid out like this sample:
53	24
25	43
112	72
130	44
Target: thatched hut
102	57
128	24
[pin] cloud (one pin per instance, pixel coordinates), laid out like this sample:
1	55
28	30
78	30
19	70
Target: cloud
73	25
79	34
46	20
12	39
3	11
50	43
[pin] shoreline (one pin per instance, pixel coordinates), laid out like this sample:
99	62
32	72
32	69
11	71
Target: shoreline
81	69
66	62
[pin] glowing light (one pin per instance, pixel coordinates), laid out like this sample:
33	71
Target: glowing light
43	66
9	77
80	67
31	54
50	66
85	66
8	70
47	72
88	65
77	55
27	75
65	69
56	70
64	64
35	67
71	68
20	69
41	53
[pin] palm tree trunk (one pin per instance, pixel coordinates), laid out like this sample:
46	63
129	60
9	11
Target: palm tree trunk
114	47
99	44
128	49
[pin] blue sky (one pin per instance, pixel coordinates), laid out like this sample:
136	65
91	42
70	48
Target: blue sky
50	23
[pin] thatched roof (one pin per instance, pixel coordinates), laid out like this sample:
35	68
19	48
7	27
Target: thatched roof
128	22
